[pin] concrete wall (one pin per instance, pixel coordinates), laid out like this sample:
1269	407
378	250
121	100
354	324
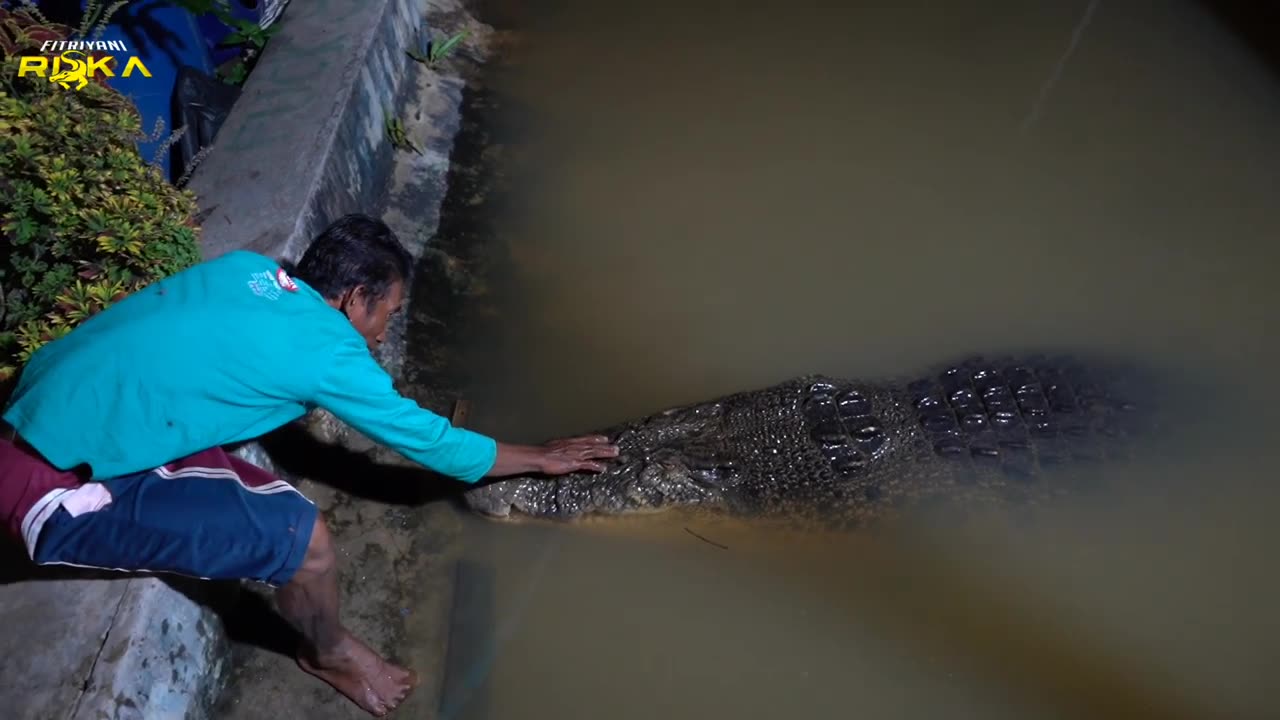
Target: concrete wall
306	142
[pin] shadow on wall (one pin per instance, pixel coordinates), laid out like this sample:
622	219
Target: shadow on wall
1255	22
296	453
247	617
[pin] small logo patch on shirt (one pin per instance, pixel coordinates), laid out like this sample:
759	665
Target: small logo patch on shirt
264	285
267	285
286	282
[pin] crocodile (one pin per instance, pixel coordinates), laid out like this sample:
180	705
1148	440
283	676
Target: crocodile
823	448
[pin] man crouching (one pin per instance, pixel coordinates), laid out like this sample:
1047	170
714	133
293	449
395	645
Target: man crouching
111	449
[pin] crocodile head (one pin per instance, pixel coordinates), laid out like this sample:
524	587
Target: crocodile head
672	459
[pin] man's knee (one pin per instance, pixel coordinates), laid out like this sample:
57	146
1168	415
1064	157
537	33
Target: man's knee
320	557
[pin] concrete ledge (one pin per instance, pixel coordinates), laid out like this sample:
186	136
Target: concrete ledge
54	631
163	656
84	648
304	144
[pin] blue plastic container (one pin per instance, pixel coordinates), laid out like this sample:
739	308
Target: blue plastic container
165	38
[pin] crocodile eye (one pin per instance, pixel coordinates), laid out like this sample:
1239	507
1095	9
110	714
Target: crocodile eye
853	404
844	460
817	409
821	388
830	432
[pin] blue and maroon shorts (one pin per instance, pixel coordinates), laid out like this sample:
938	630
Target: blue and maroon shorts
211	515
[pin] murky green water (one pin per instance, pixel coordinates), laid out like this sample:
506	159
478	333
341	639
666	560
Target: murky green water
722	196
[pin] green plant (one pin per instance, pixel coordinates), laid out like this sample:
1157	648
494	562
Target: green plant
247	33
93	23
22	29
395	131
84	220
435	53
235	74
96	18
249	36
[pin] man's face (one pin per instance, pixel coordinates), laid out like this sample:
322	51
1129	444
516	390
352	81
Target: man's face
371	320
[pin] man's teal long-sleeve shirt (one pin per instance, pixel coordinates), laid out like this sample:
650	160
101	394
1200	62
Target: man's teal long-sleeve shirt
223	352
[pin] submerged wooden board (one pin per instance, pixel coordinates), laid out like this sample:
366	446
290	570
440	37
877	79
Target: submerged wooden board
460	409
471	644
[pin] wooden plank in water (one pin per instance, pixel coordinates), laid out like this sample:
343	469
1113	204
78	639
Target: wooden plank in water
460	409
472	643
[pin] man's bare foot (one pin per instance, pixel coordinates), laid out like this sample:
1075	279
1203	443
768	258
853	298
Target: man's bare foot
358	672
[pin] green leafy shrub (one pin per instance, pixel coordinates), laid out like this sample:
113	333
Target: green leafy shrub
84	220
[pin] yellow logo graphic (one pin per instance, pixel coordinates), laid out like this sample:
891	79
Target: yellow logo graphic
77	72
73	73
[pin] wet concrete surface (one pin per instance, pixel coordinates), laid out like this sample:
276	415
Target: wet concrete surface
396	565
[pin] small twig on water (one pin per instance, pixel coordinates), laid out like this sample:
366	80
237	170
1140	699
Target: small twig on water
1059	67
709	542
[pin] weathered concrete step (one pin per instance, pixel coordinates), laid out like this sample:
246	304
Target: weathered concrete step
78	645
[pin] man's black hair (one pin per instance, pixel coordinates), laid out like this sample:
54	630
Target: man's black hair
355	250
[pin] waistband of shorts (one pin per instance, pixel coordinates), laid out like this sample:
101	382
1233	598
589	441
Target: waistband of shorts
9	433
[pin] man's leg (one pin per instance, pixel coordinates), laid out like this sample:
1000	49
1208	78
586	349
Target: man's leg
329	651
217	517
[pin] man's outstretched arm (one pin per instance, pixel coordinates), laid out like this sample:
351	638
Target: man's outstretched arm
360	393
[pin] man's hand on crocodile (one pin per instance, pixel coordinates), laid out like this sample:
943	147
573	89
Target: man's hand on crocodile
557	457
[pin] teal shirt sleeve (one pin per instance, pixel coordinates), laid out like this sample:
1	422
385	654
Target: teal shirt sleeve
358	391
